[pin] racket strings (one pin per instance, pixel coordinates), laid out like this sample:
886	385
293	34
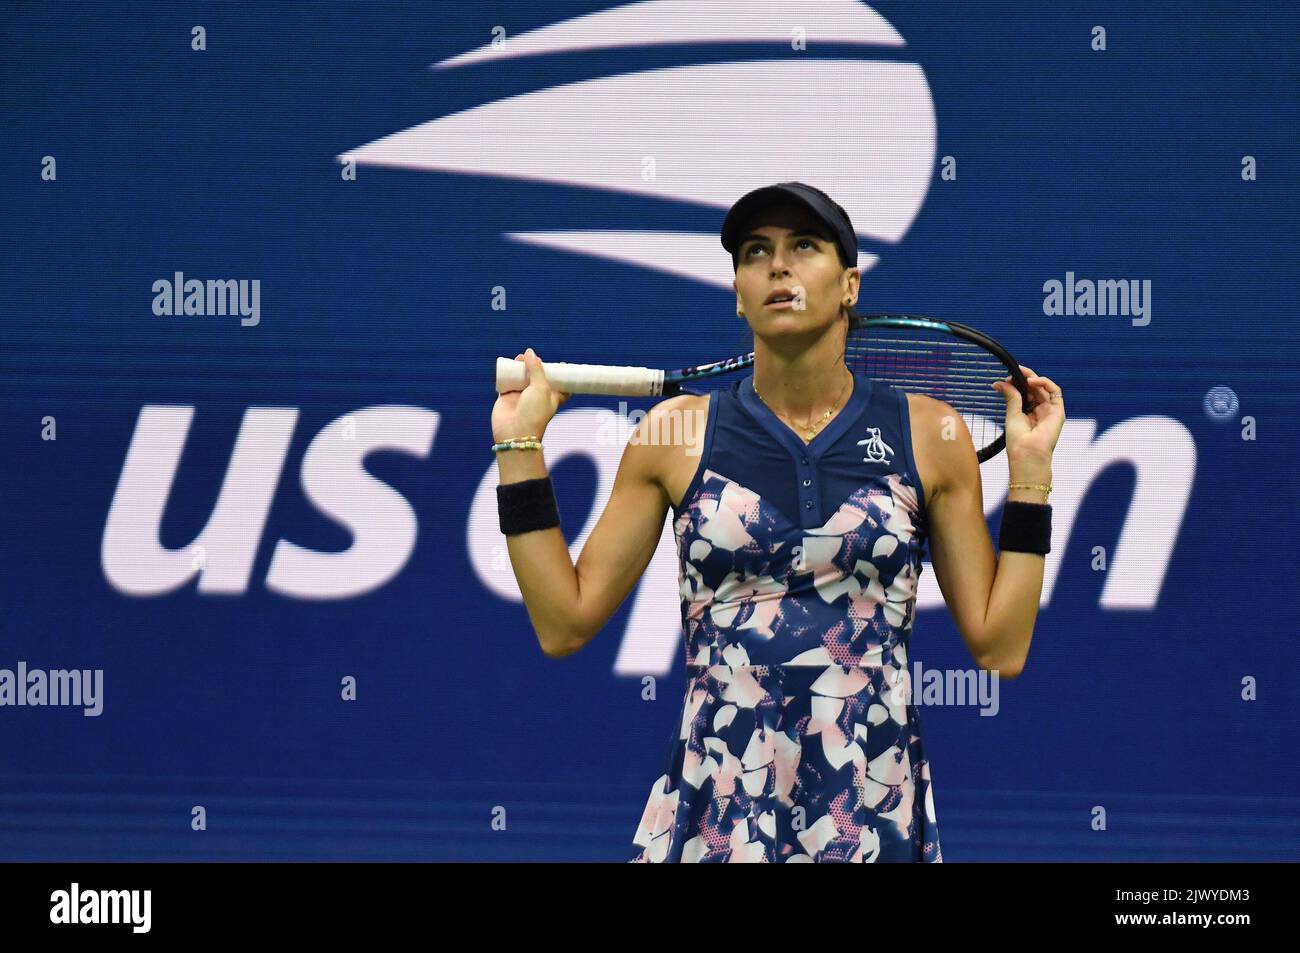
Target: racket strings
938	365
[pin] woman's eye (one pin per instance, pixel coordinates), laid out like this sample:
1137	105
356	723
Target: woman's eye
753	248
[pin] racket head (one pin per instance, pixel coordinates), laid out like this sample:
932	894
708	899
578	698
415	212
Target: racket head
945	360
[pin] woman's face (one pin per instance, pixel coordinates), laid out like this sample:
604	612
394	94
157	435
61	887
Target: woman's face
786	247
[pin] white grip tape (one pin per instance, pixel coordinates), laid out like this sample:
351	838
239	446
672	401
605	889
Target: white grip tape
584	378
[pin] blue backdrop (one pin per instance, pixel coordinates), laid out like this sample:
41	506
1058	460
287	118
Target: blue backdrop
236	516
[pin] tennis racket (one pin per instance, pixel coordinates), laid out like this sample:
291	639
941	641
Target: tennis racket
942	359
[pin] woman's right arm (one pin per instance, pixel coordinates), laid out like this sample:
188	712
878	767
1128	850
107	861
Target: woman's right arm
569	604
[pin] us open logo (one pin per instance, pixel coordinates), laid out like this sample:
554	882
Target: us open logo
712	131
861	129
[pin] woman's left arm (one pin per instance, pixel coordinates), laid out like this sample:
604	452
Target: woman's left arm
994	600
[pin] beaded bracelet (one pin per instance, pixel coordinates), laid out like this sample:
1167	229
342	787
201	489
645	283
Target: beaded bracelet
518	443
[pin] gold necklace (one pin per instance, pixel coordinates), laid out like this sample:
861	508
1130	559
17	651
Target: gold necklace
809	428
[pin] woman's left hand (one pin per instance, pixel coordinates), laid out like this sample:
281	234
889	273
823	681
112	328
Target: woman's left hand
1032	437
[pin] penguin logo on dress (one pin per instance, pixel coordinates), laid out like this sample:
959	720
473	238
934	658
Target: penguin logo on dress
877	449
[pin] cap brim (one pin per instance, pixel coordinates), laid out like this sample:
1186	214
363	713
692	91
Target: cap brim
754	202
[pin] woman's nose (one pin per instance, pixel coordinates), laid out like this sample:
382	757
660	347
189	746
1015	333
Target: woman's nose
778	265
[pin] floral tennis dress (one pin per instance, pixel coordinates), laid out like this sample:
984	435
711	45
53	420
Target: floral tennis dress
799	566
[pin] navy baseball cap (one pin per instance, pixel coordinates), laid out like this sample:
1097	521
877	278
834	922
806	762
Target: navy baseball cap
815	200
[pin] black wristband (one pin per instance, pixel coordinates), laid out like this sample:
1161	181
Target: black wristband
527	505
1026	528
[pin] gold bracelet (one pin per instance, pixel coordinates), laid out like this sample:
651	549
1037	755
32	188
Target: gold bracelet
1045	487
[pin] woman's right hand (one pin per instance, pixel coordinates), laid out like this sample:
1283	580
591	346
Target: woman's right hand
527	412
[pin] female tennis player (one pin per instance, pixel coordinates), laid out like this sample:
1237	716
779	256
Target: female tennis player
801	519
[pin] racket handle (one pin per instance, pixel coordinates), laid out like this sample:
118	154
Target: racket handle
584	378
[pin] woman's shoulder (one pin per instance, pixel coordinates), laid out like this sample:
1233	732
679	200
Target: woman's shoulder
671	439
919	406
681	403
678	421
940	438
923	405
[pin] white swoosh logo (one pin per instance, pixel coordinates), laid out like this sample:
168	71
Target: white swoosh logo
661	22
861	130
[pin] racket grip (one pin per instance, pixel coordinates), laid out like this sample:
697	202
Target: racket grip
584	378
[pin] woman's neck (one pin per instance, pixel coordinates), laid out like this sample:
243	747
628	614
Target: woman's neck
802	385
